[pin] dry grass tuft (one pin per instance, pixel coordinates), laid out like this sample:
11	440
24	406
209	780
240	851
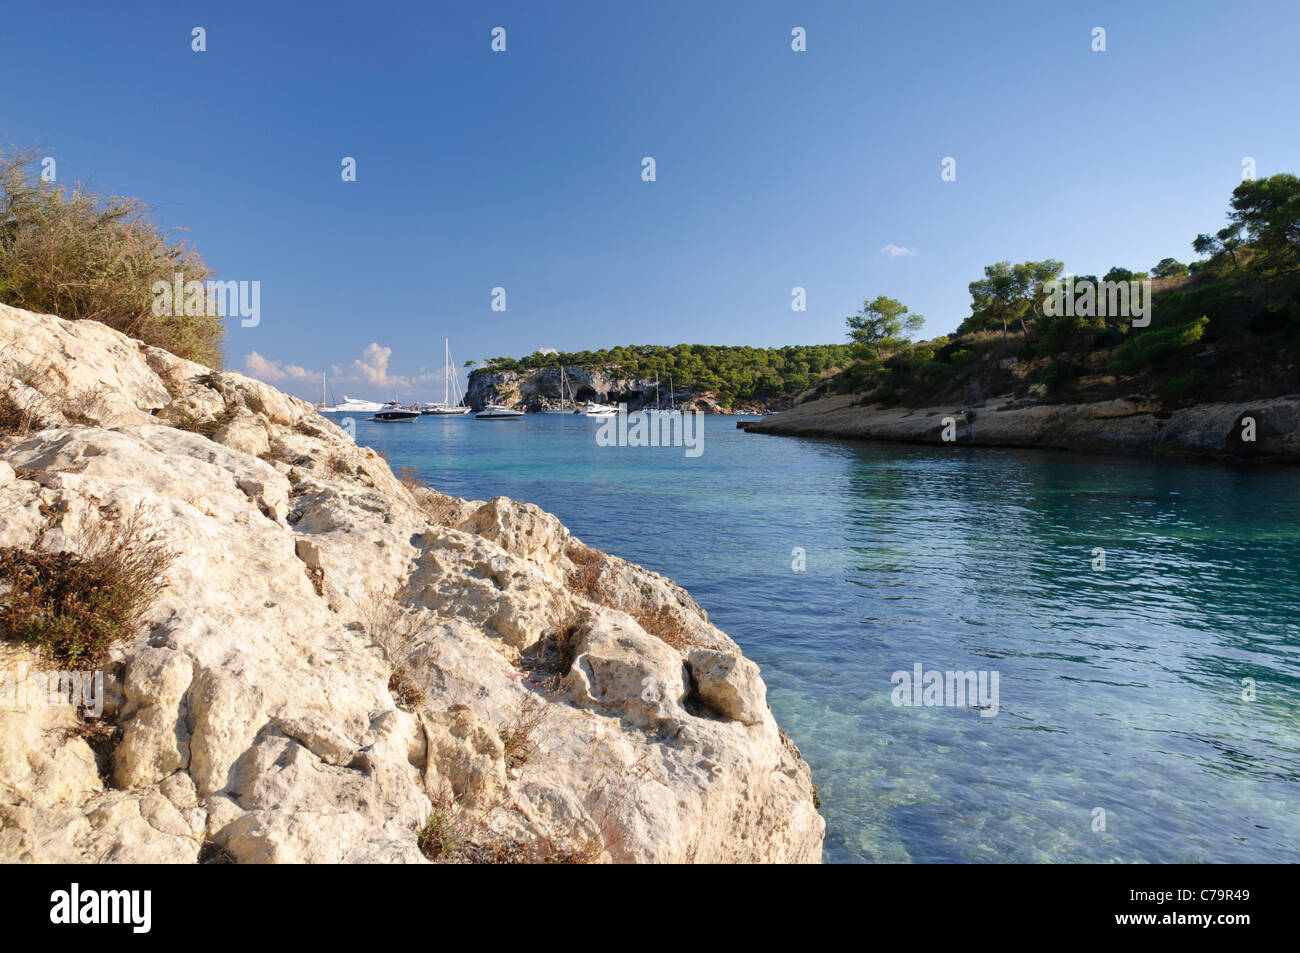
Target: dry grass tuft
584	577
394	628
15	419
520	735
663	625
73	605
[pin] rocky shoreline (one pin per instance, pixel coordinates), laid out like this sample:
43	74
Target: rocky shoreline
1267	429
348	667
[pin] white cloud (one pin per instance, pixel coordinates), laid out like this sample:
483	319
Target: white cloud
897	251
274	372
372	366
370	371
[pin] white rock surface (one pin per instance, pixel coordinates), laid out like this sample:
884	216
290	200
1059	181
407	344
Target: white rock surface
259	707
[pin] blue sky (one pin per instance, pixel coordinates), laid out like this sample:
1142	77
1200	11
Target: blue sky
522	169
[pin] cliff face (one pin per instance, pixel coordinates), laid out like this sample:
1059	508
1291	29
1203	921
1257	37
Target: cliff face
1262	429
341	660
540	389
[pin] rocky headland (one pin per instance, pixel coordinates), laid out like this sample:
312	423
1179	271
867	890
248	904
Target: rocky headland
345	666
542	389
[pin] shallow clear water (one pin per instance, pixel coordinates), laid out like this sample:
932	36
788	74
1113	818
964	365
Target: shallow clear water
1118	689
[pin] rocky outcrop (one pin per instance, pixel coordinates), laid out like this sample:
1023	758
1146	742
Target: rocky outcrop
342	664
1134	425
540	389
544	388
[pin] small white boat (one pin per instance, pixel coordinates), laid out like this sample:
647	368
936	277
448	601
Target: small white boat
598	410
442	410
393	412
497	412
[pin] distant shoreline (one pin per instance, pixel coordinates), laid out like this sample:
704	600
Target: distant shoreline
1206	431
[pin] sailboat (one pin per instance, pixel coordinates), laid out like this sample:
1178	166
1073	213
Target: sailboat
323	405
450	388
567	404
658	408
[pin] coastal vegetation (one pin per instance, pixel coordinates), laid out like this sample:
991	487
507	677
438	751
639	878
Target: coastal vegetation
734	373
80	255
1224	326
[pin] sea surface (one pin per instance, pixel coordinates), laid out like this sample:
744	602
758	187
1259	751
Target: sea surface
1122	732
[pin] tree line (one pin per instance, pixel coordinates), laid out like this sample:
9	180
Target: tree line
1251	270
733	372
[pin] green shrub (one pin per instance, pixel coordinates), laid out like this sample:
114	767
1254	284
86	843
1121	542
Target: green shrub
1151	347
83	256
1060	373
1182	387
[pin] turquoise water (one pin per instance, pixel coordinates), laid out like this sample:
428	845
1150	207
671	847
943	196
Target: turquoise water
1118	689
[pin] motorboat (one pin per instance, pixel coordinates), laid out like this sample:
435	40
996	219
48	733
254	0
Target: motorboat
393	412
497	412
598	410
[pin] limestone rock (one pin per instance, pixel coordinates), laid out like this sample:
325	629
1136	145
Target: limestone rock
730	683
335	650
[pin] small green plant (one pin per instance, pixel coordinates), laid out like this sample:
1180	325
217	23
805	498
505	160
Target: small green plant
439	835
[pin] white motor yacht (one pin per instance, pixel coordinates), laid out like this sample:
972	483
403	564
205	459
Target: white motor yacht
353	405
497	412
393	412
